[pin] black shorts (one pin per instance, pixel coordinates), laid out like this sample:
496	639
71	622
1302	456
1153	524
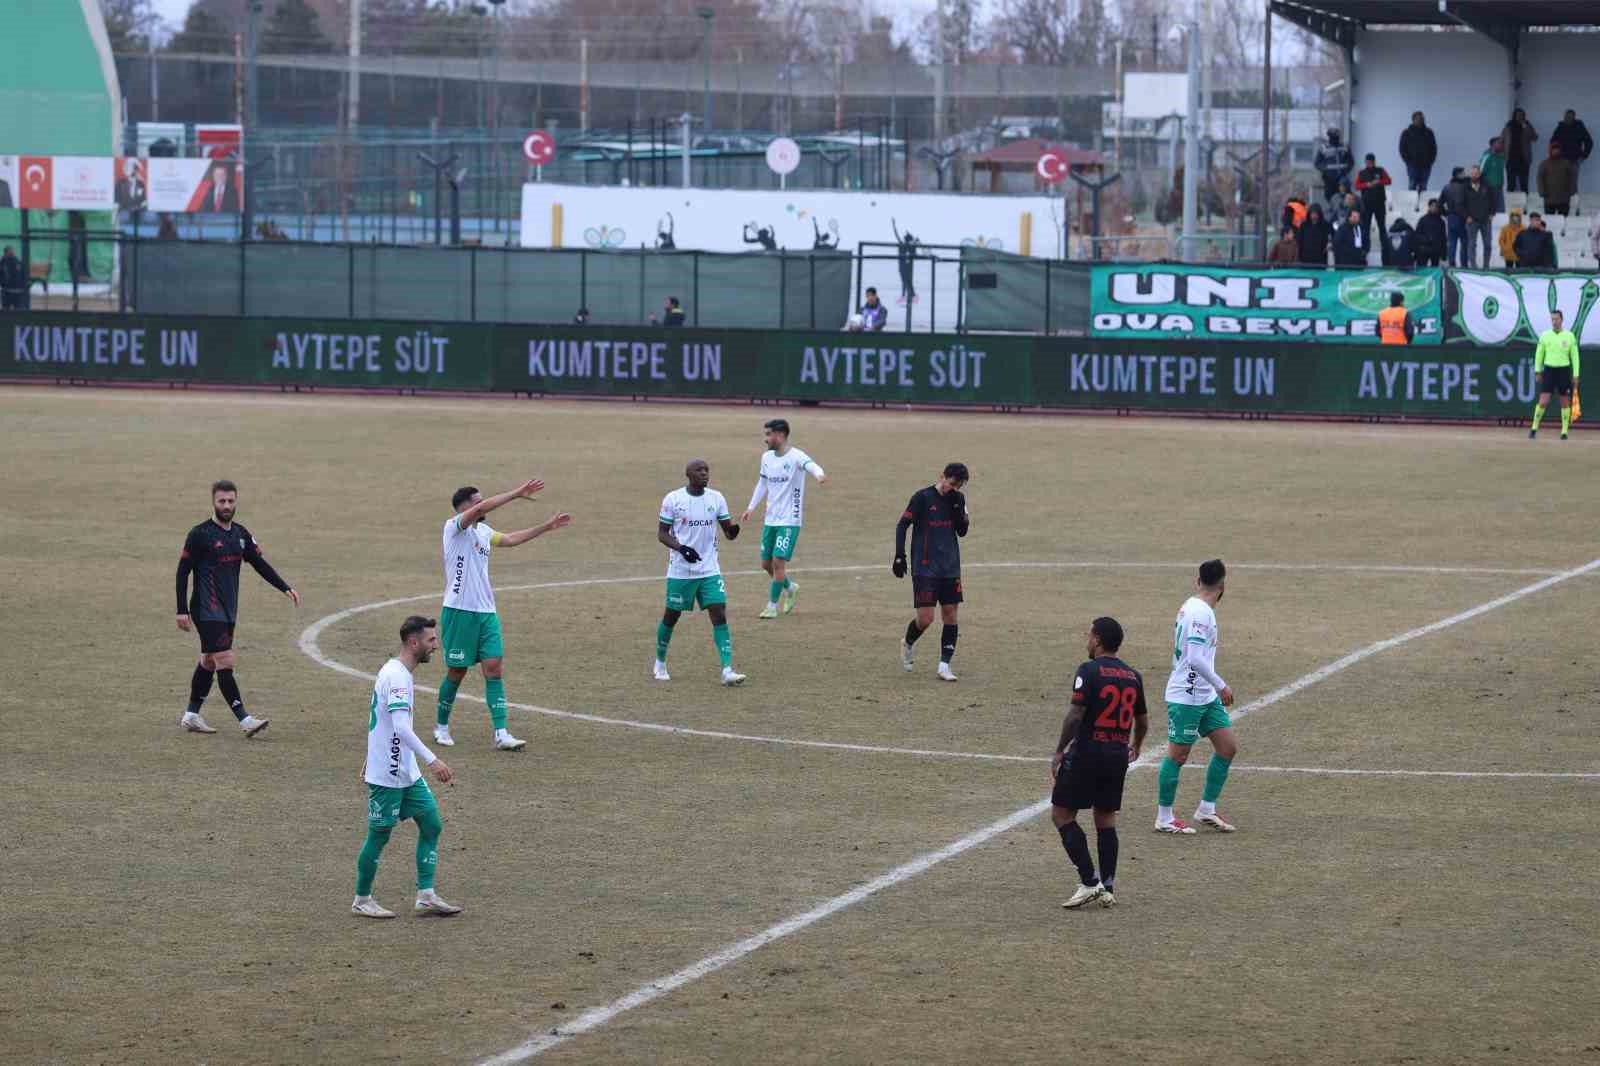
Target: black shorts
1090	781
1557	380
214	636
927	591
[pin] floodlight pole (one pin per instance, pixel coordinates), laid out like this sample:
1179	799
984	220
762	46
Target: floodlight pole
706	15
1266	128
1191	143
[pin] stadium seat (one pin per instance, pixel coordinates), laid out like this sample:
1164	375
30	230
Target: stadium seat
1518	200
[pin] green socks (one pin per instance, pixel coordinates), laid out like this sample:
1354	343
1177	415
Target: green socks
1216	777
494	693
1167	781
776	590
447	699
428	829
724	641
663	638
367	861
1566	420
1538	415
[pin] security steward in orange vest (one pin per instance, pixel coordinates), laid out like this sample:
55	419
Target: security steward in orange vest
1394	322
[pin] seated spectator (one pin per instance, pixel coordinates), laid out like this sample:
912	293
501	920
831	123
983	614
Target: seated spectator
1399	250
1573	137
1535	247
874	316
1558	181
1313	237
1349	242
1428	244
1508	239
1287	251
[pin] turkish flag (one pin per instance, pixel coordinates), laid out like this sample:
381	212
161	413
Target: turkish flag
34	175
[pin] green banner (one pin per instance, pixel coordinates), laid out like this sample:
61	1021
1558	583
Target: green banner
1491	308
1160	302
1366	381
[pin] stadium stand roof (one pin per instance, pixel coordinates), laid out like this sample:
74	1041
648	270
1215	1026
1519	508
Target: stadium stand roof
1338	20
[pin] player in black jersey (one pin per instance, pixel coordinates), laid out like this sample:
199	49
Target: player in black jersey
937	517
212	552
1103	732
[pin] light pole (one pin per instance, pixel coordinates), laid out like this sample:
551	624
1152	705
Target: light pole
1191	137
706	15
247	219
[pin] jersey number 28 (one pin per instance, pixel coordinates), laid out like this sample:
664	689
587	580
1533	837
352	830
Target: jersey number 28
1118	711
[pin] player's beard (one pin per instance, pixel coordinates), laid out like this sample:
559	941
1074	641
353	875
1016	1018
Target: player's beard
223	517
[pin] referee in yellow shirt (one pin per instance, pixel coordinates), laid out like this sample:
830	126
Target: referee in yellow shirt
1556	363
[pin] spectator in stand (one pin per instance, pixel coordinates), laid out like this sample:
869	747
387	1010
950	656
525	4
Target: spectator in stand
1478	203
1287	251
1349	243
1418	150
1573	137
1294	213
1399	250
1493	165
1518	137
1314	237
672	312
13	281
1558	181
1508	239
874	316
167	230
1594	242
1334	162
1429	244
1373	184
1453	202
581	318
1535	247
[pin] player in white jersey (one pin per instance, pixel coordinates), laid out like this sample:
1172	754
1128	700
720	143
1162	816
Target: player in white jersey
782	481
688	524
1196	702
396	789
470	624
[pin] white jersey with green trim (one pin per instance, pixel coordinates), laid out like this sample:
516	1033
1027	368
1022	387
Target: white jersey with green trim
466	567
392	745
783	482
1194	681
694	522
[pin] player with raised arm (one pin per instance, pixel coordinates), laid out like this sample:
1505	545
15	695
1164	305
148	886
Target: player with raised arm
937	518
213	551
1196	702
782	480
470	623
687	525
396	789
1103	732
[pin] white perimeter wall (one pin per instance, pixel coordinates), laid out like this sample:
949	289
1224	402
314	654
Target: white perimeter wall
1462	82
713	220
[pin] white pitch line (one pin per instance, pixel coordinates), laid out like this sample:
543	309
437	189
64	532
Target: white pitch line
726	956
310	648
1467	774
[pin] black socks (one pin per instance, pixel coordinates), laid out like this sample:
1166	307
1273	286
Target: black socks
912	632
230	692
1077	846
1107	839
199	688
947	643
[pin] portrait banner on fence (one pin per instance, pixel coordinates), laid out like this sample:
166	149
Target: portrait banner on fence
1159	302
1491	309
